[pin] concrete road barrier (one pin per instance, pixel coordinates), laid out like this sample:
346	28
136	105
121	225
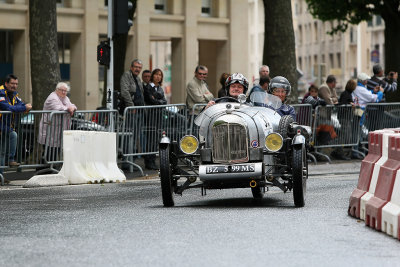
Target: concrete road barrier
367	167
89	157
384	185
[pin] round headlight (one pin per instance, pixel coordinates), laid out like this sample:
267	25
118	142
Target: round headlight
189	144
273	142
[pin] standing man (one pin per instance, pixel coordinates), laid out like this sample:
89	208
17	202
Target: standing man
197	90
263	71
261	87
327	91
9	101
132	95
146	74
389	84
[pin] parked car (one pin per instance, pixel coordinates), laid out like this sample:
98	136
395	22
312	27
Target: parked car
239	145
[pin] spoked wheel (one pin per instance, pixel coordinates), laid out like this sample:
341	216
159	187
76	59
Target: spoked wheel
300	175
258	192
167	185
284	123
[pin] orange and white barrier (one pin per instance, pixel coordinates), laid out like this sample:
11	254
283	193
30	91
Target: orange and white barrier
367	167
380	205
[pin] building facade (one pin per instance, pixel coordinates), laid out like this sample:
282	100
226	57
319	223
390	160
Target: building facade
199	32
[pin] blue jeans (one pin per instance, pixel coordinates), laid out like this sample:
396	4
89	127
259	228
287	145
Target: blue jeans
8	146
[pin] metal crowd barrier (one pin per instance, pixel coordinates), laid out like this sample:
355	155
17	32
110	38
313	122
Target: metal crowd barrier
142	128
335	126
379	116
41	147
304	114
193	128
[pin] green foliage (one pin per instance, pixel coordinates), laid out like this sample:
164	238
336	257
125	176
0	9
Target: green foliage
345	12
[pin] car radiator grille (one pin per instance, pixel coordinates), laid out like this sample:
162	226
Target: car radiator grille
230	143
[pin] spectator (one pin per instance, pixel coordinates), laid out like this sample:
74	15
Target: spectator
222	79
388	84
9	101
57	100
362	94
312	97
197	90
154	95
262	71
347	121
327	91
261	87
146	77
132	94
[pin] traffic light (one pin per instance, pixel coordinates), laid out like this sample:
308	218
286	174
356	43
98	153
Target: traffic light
103	53
121	10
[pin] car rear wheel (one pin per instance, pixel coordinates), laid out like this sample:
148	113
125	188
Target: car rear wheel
300	175
167	185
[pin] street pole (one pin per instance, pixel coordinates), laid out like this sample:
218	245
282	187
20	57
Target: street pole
110	70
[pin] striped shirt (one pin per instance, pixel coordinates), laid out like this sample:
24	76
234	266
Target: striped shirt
387	87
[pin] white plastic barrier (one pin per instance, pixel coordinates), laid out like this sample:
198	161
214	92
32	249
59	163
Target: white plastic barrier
89	157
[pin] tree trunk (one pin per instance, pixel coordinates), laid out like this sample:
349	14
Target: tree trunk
45	69
392	49
279	44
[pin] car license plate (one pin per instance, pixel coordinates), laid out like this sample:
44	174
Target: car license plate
230	168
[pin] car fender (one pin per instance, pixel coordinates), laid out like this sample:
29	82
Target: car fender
298	139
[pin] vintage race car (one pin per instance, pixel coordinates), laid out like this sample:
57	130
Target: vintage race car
238	145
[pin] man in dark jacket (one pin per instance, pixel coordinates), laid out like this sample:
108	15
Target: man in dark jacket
388	84
9	101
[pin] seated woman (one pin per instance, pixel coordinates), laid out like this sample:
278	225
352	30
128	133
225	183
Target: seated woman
280	87
235	85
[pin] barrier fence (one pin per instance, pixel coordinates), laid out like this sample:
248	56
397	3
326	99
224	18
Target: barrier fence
143	126
140	128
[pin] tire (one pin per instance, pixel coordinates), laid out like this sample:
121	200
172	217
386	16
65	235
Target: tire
167	185
258	192
300	175
284	125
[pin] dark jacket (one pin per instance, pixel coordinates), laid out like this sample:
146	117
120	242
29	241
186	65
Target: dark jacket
154	95
9	103
345	98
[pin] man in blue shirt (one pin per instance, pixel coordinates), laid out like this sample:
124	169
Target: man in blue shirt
9	101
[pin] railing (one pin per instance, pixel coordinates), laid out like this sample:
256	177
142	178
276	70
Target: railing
143	126
140	128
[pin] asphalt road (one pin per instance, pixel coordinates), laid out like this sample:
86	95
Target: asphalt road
126	225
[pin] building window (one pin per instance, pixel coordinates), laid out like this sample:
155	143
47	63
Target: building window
300	35
6	53
339	60
378	20
206	8
315	31
331	61
159	6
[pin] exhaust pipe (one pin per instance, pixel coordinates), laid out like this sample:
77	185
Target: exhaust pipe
253	183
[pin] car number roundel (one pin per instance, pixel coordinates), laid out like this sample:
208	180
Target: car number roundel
254	143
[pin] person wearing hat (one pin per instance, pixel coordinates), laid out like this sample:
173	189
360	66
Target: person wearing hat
362	94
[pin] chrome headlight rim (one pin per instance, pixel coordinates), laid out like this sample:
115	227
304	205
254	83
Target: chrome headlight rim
273	135
183	139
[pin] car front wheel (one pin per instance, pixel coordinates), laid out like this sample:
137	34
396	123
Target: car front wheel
300	175
167	185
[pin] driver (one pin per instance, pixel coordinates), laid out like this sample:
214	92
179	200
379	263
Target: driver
280	87
235	85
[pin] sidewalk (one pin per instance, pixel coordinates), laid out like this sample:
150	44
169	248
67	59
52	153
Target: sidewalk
18	179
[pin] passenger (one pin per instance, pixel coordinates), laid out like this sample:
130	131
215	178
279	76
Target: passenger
235	85
280	87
